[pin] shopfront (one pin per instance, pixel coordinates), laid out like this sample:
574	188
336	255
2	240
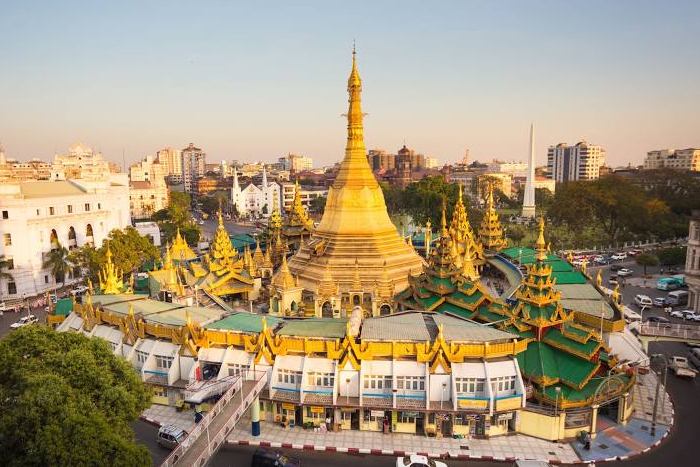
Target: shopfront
373	420
287	412
316	415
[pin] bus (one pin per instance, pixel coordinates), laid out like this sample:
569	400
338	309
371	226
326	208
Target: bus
670	283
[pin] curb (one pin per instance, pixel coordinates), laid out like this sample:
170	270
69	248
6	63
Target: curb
150	421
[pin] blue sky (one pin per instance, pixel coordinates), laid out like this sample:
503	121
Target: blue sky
255	80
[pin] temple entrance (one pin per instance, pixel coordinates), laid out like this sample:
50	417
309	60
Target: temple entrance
327	310
607	414
384	310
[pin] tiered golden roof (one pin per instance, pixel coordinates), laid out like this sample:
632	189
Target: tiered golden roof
490	230
110	277
463	235
180	250
355	223
275	222
283	278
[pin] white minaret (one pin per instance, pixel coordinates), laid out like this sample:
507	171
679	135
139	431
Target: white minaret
529	198
264	180
236	194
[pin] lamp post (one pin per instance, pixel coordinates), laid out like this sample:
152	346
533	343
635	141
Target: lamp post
557	391
656	396
444	386
347	391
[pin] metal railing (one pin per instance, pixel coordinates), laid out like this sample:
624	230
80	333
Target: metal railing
676	331
215	440
209	388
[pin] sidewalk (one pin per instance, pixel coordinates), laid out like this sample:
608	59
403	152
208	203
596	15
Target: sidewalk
399	444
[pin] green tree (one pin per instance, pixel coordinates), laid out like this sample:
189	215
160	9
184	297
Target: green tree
422	200
318	204
66	400
646	260
57	262
671	256
516	233
129	249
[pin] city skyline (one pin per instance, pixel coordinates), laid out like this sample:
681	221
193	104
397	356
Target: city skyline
255	85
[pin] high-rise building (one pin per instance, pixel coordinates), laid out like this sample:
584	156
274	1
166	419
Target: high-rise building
579	162
431	162
355	256
148	191
171	161
692	262
515	168
296	163
679	159
193	166
379	159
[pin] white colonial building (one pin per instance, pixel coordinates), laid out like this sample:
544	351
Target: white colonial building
37	215
256	200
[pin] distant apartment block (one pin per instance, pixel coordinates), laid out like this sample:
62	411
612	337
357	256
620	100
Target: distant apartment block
148	192
579	162
171	160
679	159
295	163
193	166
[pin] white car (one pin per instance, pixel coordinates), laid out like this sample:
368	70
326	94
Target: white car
24	321
619	256
417	461
625	272
683	314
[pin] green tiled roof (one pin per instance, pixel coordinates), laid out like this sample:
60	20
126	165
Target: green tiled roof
244	322
454	309
514	252
555	337
538	361
572	277
330	328
572	369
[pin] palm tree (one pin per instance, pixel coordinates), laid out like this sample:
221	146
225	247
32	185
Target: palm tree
5	265
57	261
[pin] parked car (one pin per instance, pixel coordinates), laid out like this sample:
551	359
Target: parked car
24	321
635	252
169	436
625	272
642	300
679	365
272	458
619	256
612	279
603	261
660	320
684	314
677	314
417	461
659	301
615	267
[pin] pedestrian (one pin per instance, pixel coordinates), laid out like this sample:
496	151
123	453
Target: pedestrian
587	445
328	423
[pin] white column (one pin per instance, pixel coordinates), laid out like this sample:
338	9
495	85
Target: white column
529	197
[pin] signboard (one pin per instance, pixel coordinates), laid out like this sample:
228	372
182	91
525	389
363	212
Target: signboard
317	409
348	409
376	413
505	416
510	403
288	406
473	404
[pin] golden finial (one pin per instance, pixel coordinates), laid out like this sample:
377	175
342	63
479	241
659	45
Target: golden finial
599	279
616	293
444	220
541	255
571	257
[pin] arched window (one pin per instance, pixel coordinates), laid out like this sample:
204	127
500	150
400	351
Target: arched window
355	299
384	310
53	239
294	306
72	243
89	239
327	310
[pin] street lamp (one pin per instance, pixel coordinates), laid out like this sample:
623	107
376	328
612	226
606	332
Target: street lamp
347	391
557	391
656	396
444	386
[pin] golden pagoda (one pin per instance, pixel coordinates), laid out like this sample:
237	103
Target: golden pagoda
463	237
490	230
355	224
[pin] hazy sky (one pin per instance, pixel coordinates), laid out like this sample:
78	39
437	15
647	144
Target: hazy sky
255	80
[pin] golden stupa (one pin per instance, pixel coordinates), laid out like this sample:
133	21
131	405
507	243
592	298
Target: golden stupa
355	226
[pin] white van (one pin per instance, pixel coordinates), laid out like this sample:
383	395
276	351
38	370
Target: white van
642	300
169	436
678	298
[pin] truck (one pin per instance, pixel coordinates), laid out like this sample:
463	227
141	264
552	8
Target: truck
680	367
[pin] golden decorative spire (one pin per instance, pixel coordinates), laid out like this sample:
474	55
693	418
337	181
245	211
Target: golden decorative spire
356	282
599	279
258	257
428	234
110	276
181	250
469	270
490	230
540	245
444	220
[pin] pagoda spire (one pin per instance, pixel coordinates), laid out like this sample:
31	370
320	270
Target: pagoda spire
490	230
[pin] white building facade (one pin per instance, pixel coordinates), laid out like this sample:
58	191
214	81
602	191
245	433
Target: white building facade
148	191
579	162
692	262
307	195
35	216
255	200
171	160
296	163
679	159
